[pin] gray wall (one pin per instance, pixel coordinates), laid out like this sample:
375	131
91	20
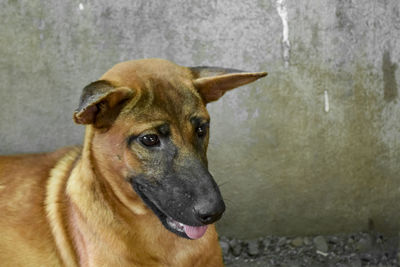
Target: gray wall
286	164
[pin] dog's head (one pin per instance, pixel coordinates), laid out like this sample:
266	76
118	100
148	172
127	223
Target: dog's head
151	131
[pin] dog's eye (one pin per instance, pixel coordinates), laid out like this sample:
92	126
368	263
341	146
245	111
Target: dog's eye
150	140
201	130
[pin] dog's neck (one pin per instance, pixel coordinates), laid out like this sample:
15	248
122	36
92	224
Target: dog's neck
105	215
86	184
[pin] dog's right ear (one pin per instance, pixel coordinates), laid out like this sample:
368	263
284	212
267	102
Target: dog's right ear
99	103
214	82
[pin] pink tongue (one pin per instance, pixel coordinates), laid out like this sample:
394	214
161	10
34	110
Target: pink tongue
195	232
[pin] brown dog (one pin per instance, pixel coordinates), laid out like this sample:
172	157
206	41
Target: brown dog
139	192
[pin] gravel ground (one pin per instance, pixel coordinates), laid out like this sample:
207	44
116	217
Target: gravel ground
352	250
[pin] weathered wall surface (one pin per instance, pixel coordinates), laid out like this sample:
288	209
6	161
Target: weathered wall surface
312	148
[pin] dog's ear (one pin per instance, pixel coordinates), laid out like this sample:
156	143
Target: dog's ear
213	82
100	103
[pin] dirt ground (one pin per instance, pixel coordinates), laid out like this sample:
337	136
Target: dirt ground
350	250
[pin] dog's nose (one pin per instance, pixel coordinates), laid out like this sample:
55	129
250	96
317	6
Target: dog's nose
208	214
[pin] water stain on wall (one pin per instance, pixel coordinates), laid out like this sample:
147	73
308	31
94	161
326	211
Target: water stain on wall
343	20
389	77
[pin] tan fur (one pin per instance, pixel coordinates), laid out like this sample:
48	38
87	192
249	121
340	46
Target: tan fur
54	205
110	239
74	207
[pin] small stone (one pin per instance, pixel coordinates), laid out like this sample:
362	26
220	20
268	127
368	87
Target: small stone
266	242
366	257
297	242
281	241
321	244
356	262
291	264
391	245
379	239
333	240
253	247
224	247
236	247
365	243
307	241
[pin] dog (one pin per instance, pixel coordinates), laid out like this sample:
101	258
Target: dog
138	192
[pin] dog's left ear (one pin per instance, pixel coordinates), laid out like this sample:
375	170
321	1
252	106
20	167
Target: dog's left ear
213	82
100	103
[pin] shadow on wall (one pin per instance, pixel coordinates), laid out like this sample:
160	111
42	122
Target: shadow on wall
389	77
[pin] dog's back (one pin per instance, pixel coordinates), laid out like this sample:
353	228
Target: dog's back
24	230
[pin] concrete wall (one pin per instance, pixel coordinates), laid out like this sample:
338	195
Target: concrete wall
288	163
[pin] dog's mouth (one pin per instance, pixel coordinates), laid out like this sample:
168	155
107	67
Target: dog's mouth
181	229
192	232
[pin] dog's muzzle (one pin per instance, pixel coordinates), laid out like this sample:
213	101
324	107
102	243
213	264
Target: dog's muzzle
184	206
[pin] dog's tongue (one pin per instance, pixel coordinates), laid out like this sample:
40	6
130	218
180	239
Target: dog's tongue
195	232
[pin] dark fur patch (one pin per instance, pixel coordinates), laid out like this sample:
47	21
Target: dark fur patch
92	93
